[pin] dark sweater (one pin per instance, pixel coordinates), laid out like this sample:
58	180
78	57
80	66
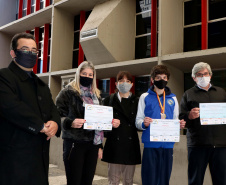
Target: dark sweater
197	134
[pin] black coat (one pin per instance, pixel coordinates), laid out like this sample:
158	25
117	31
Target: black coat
122	143
71	106
25	105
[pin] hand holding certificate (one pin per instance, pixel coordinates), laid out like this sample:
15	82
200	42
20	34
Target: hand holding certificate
165	130
98	117
212	113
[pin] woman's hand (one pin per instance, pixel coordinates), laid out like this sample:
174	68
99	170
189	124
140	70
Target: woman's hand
147	121
115	123
100	153
78	123
182	123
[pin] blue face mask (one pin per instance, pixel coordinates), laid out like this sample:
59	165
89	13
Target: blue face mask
25	59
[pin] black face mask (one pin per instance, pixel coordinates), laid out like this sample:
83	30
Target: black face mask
27	60
161	84
86	81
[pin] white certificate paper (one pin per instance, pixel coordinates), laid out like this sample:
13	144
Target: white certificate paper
212	113
98	117
165	130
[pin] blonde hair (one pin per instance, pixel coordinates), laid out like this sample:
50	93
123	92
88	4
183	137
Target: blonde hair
76	82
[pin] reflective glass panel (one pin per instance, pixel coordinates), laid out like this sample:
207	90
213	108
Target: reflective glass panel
217	9
141	85
192	12
143	47
192	38
143	23
217	34
104	87
75	59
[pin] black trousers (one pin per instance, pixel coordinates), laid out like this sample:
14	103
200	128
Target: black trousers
199	158
80	161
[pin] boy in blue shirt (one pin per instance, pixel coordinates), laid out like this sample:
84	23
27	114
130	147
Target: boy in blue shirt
157	103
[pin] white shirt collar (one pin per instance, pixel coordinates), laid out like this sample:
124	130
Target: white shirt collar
204	89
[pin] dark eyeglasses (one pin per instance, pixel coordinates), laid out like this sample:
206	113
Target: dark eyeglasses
201	75
27	50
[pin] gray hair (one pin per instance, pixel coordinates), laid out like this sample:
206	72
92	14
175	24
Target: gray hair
76	82
200	66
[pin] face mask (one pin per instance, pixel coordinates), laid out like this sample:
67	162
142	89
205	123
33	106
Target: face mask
161	84
27	60
124	87
86	81
203	81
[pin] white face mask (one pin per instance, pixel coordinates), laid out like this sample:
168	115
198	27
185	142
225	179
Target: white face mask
203	81
124	87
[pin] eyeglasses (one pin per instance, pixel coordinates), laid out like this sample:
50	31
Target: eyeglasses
201	75
27	50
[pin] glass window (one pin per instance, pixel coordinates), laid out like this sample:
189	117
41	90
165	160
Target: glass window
217	34
143	47
49	44
192	12
17	8
217	9
24	13
48	62
104	87
51	1
42	4
24	4
143	23
75	59
76	40
32	6
40	66
192	38
141	85
50	27
32	9
41	33
77	22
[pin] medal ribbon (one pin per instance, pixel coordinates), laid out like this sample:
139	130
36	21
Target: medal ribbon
160	104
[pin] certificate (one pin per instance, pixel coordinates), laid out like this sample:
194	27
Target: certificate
212	113
98	117
165	130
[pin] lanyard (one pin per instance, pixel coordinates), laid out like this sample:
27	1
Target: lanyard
163	115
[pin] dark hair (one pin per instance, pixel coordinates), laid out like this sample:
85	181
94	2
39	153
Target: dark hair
18	36
159	69
121	75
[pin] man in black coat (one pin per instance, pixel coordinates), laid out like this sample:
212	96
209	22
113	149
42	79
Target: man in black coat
206	143
28	118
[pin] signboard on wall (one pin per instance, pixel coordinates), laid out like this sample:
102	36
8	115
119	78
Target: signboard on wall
88	34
